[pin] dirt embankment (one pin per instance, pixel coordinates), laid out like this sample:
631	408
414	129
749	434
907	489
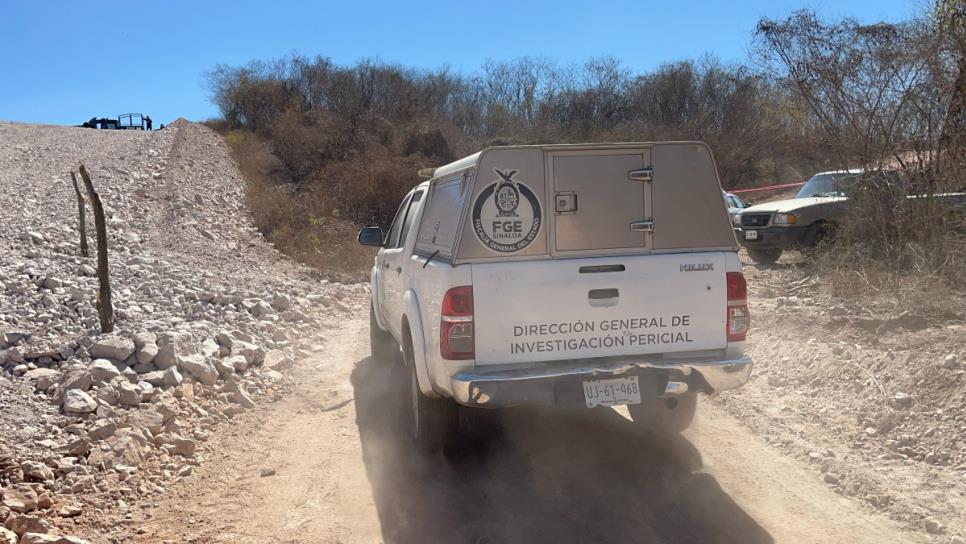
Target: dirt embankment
208	316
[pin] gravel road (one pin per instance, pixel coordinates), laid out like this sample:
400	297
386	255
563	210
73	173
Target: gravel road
331	463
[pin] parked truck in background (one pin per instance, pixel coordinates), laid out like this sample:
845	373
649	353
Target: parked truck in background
558	275
766	230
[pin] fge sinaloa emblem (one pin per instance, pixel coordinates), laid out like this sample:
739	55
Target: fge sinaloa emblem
506	214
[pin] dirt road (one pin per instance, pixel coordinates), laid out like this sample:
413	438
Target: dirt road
330	463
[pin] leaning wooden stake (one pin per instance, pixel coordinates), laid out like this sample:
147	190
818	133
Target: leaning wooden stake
82	216
105	308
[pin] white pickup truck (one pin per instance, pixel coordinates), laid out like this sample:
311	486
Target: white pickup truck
554	275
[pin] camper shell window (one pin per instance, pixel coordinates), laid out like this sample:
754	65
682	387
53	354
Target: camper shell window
442	214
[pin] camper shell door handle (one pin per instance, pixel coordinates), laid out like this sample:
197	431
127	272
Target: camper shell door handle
644	174
643	226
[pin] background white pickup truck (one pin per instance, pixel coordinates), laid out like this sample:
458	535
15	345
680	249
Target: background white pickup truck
597	275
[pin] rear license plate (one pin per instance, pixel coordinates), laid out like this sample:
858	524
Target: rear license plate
751	235
612	392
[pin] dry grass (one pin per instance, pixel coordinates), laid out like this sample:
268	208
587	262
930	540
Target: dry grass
899	260
300	224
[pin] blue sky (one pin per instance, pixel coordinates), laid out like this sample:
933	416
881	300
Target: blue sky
63	62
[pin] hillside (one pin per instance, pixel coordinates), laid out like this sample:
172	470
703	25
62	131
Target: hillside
192	280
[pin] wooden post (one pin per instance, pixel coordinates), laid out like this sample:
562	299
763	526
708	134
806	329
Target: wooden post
105	309
82	216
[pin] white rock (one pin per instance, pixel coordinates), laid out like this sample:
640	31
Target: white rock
172	377
76	377
176	445
108	395
113	347
281	302
102	430
167	357
36	471
251	352
951	361
225	368
147	391
7	536
43	377
144	338
44	538
102	370
129	394
199	367
155	378
147	353
262	308
238	362
225	340
78	402
242	398
209	348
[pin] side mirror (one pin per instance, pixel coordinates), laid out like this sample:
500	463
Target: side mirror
371	236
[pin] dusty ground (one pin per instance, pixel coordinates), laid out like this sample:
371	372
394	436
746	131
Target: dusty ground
343	473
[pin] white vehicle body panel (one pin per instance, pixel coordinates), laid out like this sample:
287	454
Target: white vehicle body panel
535	311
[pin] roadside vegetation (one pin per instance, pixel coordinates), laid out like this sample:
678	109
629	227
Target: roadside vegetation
327	147
889	98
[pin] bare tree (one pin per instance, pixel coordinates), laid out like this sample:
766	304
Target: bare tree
81	216
883	100
951	25
105	308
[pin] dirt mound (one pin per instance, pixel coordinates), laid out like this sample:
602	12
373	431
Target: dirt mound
209	317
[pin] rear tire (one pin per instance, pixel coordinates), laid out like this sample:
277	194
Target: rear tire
433	422
816	234
665	416
383	346
765	256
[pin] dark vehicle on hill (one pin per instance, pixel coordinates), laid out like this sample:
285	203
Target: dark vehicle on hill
125	121
768	229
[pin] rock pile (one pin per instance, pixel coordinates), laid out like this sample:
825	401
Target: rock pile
208	318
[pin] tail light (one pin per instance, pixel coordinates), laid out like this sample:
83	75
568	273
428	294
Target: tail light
456	340
739	319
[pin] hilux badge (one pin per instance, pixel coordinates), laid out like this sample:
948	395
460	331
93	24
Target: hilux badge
506	214
692	267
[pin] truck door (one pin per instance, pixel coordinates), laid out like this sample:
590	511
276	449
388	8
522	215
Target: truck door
601	200
392	259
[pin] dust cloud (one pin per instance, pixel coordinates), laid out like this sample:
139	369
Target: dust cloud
536	476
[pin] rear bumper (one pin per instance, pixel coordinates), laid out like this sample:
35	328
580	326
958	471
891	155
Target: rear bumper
772	237
560	383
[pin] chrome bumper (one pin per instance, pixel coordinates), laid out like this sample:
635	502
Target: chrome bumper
553	383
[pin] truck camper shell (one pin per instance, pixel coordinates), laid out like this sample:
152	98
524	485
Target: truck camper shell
575	200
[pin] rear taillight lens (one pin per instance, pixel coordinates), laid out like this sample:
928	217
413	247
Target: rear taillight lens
739	319
456	340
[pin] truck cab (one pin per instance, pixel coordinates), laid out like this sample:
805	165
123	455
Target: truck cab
594	275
